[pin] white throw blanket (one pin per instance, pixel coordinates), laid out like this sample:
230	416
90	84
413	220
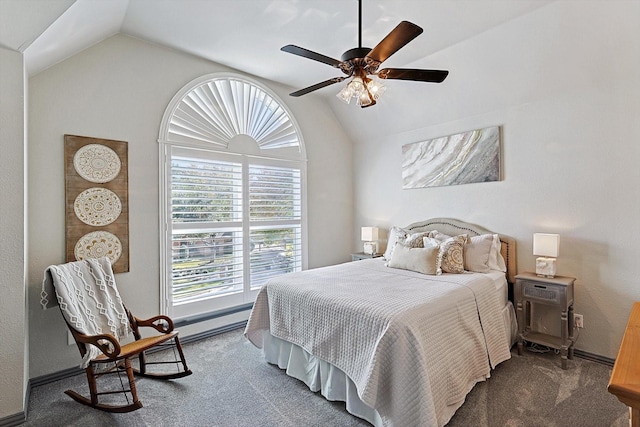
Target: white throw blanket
87	295
414	345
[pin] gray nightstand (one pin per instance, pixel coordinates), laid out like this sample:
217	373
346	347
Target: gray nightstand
557	292
361	255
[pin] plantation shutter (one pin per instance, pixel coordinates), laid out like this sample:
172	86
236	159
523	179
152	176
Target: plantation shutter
275	217
206	211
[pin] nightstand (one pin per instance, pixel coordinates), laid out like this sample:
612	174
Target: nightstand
361	255
557	292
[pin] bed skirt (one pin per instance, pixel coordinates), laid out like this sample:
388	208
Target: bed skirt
330	381
318	375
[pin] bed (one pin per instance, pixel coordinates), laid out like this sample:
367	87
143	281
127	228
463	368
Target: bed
400	347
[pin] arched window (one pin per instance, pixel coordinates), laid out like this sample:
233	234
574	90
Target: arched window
232	170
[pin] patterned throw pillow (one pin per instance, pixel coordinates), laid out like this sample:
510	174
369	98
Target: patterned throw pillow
451	254
415	240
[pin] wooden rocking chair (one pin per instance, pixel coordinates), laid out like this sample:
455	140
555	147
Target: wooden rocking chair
113	357
119	357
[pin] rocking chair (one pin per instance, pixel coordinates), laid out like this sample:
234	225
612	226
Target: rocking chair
90	302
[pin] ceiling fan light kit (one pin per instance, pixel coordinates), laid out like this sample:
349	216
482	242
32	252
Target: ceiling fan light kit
363	89
362	64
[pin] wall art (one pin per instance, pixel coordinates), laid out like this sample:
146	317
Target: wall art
97	200
462	158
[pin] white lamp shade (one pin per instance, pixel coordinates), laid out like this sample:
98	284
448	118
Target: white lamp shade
369	234
547	245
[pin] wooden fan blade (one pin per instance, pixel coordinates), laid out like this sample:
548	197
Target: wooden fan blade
306	53
318	86
396	39
433	76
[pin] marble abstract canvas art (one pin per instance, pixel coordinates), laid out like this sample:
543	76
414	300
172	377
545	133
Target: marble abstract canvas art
462	158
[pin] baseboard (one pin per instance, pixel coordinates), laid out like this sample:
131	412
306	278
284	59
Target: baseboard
13	420
594	357
20	417
55	376
212	315
213	332
70	372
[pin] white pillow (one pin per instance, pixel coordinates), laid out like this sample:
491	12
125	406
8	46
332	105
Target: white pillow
421	260
477	252
496	261
395	234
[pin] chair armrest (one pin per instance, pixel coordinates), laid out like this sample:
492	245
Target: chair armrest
164	323
111	348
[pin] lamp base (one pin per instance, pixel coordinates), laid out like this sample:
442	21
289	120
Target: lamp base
370	248
546	267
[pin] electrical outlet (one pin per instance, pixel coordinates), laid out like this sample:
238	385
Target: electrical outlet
579	320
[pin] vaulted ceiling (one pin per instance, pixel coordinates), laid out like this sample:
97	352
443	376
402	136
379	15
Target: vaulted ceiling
247	34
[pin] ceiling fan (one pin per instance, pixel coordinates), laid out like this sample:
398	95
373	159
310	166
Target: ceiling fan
362	64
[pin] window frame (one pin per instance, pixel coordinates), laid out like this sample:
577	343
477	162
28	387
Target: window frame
243	153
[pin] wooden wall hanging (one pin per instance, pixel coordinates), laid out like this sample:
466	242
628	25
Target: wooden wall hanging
97	200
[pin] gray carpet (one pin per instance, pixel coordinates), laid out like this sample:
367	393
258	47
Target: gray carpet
233	386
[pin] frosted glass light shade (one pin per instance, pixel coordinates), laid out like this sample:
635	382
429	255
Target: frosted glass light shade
364	99
345	94
369	234
376	89
546	245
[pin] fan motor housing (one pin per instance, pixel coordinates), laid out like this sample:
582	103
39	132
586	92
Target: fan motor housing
357	52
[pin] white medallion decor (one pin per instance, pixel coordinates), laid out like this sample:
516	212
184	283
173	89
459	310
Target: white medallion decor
97	200
98	244
96	163
97	206
462	158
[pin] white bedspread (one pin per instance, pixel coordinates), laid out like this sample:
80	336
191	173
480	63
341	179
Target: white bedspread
414	345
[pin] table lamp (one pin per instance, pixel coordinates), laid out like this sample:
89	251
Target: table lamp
369	236
546	247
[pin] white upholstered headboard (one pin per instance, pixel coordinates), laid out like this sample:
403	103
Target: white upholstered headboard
453	227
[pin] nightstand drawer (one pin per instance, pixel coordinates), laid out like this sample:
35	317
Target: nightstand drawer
541	292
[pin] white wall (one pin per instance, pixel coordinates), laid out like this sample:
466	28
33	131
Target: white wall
13	332
119	89
564	83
